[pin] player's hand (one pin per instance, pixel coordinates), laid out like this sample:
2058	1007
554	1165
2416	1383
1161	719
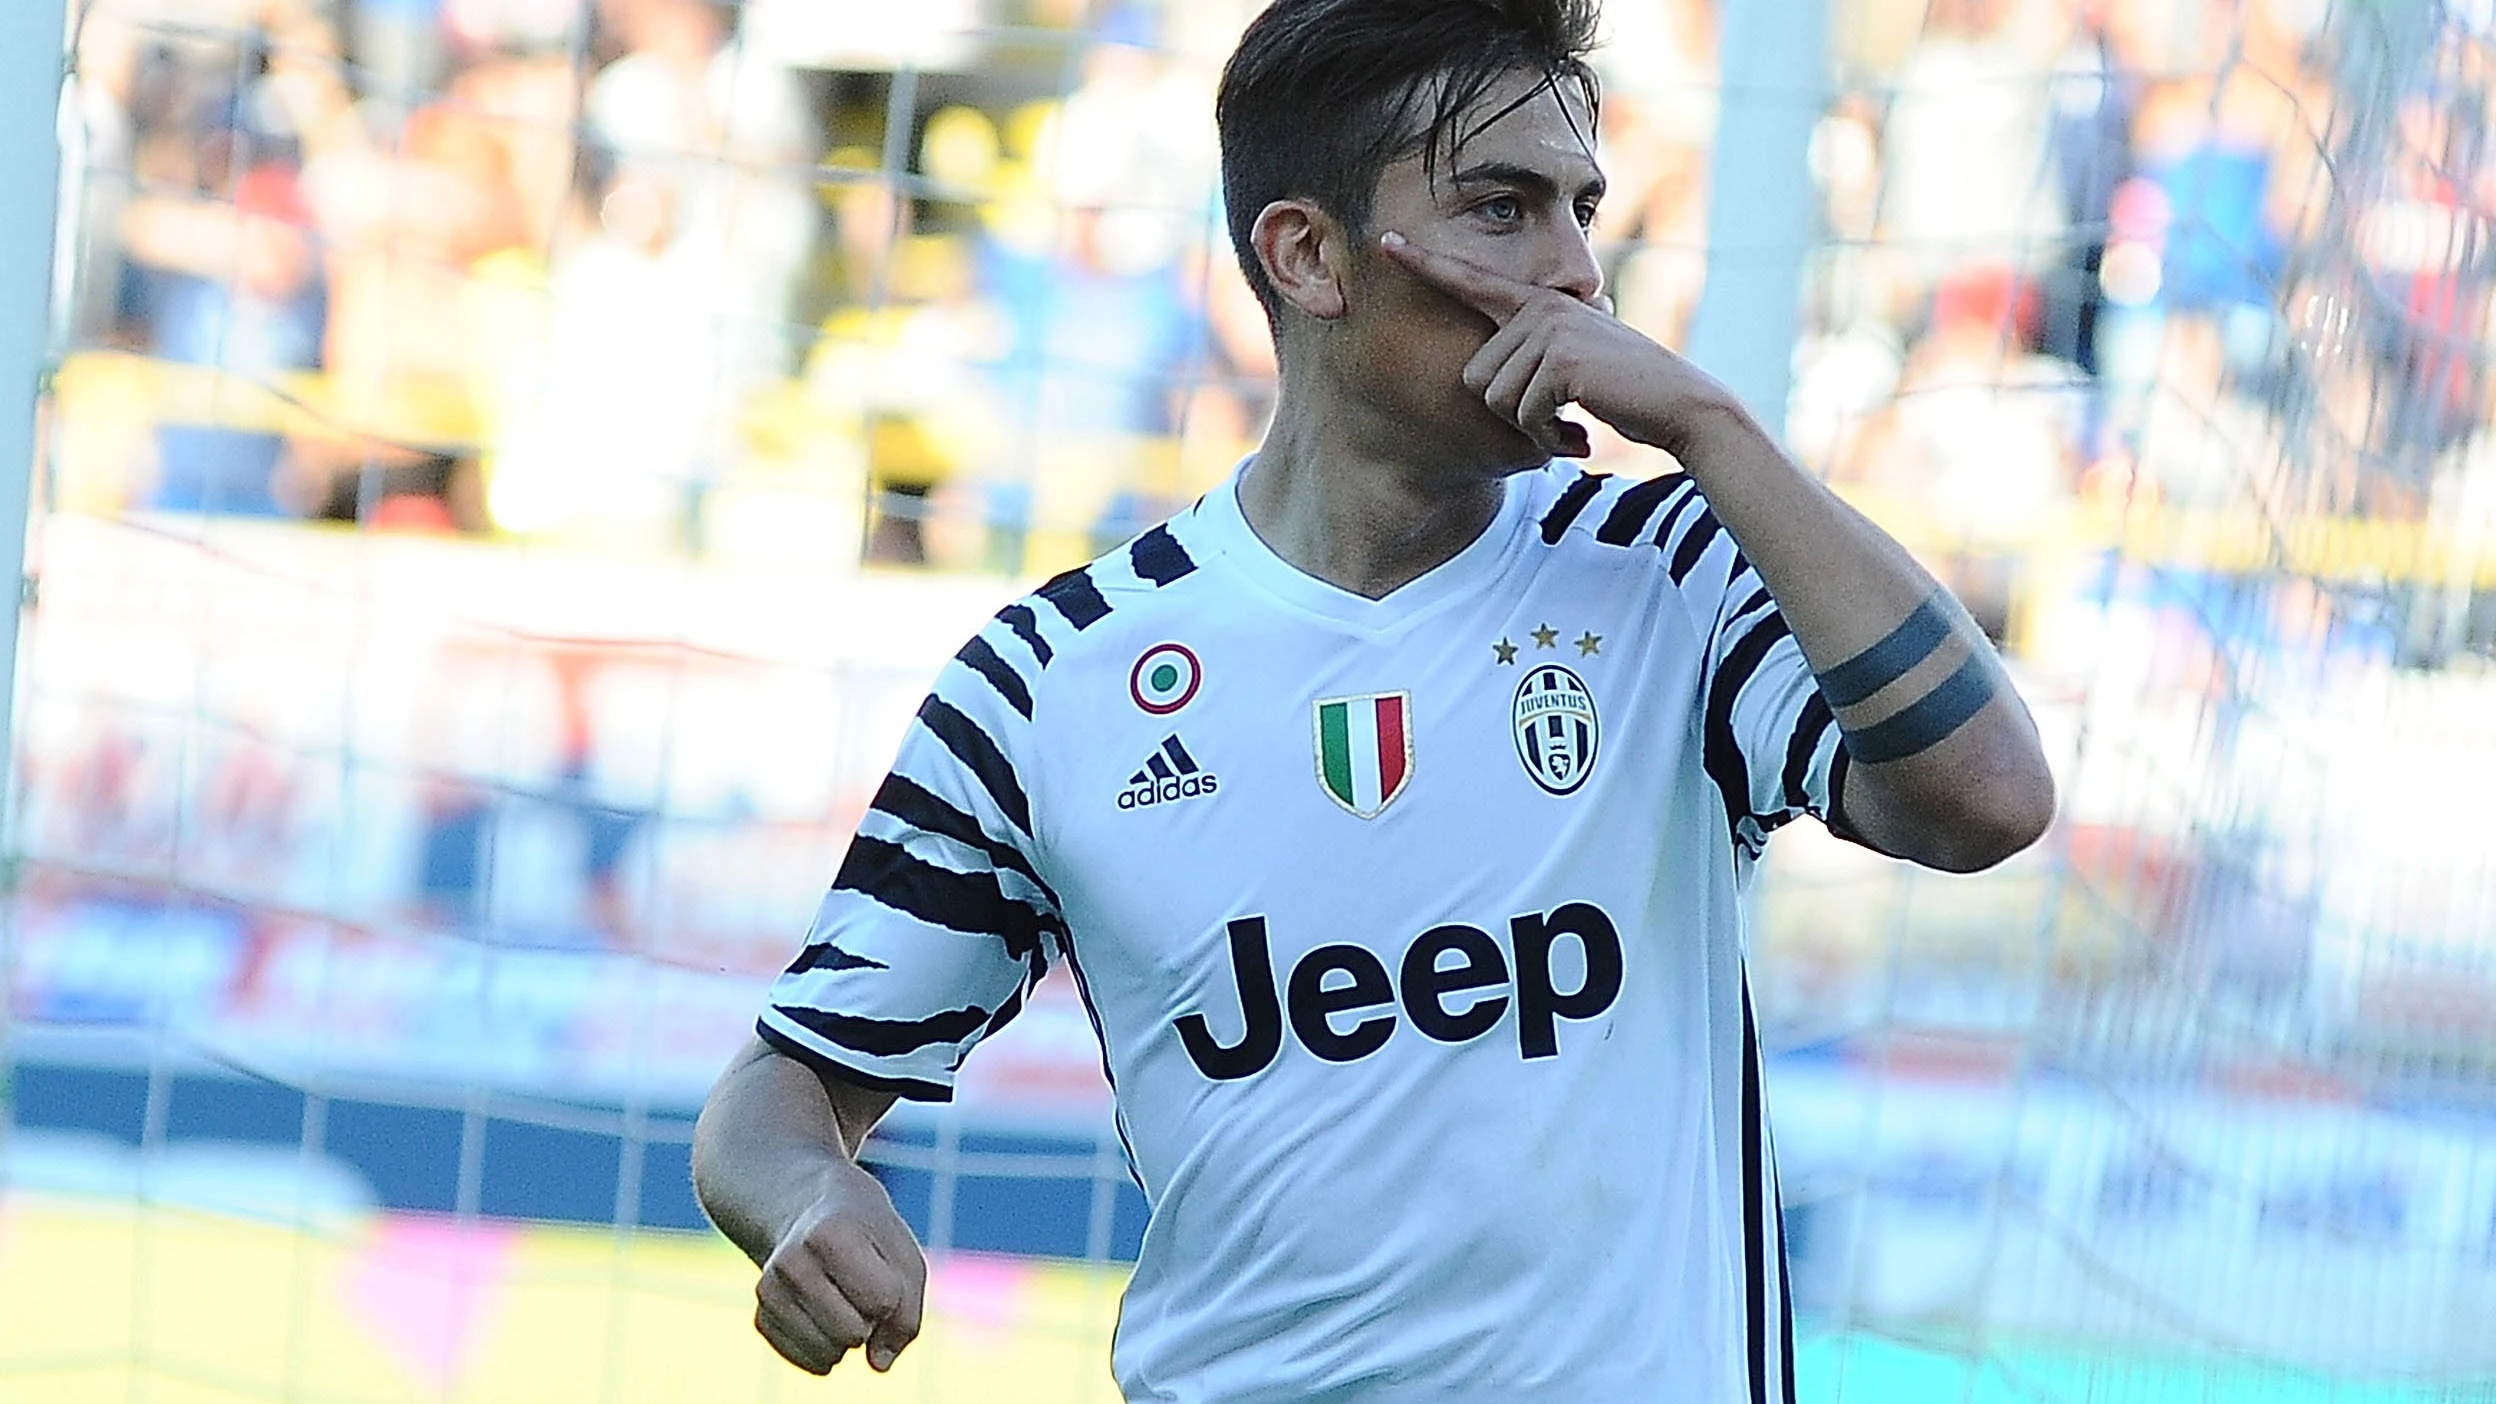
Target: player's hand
1552	349
846	1274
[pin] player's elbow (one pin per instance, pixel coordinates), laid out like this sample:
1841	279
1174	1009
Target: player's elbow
1995	812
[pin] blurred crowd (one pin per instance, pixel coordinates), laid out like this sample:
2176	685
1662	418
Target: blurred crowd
768	278
2227	255
811	278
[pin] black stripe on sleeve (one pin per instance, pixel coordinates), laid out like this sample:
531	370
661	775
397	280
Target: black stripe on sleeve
1757	600
1630	513
905	799
1690	497
827	956
971	903
1573	500
909	1087
1077	598
888	1038
1694	544
1785	1283
983	660
973	748
1808	733
1159	558
1722	751
1754	1201
1026	626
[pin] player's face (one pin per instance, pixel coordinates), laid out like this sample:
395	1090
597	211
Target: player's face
1517	196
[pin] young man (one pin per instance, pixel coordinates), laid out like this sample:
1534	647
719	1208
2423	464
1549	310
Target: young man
1392	806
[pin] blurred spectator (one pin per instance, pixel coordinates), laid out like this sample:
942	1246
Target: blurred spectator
1968	165
730	135
1979	435
620	433
2202	442
98	140
524	105
2427	242
1659	119
2094	95
397	46
225	276
2205	171
1106	345
406	214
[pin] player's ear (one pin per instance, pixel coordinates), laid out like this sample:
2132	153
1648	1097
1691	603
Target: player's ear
1301	247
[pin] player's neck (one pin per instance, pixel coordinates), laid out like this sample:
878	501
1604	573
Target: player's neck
1352	510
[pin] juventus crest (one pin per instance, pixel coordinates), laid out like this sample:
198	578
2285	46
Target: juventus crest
1557	734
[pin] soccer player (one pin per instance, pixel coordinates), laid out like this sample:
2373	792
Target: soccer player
1393	805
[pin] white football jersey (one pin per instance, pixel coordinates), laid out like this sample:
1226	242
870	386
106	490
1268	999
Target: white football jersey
1413	929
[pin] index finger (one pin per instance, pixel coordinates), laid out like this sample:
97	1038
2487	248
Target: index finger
1494	295
856	1266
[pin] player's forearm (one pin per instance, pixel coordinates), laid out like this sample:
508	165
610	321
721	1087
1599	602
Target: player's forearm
770	1141
1947	765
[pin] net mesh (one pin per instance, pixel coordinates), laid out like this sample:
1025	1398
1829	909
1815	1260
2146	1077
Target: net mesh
513	466
2161	332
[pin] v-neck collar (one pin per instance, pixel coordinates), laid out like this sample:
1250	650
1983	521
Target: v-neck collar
1223	525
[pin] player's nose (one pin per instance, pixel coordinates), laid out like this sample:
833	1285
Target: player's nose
1573	267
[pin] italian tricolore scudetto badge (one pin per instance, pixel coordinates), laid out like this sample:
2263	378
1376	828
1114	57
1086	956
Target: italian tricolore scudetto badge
1365	750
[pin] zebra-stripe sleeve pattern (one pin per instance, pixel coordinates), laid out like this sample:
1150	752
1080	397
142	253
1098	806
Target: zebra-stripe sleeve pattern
939	921
1769	740
1769	743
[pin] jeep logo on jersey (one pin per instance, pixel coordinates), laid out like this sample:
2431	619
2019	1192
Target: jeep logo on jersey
1448	1001
1556	729
1165	679
1365	750
1170	776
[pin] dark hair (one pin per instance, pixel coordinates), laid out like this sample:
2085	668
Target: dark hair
1323	95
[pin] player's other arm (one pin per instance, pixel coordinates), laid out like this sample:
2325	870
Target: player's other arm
775	1166
1946	765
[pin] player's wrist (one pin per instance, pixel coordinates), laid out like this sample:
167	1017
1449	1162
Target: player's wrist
1706	432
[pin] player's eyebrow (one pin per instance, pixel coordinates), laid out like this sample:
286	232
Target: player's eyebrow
1525	178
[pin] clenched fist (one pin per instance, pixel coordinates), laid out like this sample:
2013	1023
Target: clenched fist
846	1274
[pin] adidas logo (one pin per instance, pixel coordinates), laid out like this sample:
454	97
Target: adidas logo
1170	776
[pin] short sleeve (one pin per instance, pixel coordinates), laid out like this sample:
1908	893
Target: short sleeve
938	922
1771	746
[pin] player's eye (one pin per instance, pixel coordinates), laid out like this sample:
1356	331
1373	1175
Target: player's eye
1502	209
1586	215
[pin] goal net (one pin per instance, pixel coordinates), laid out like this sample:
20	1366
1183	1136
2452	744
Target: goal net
511	468
2161	331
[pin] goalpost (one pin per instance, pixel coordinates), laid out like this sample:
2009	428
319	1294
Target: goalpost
30	111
